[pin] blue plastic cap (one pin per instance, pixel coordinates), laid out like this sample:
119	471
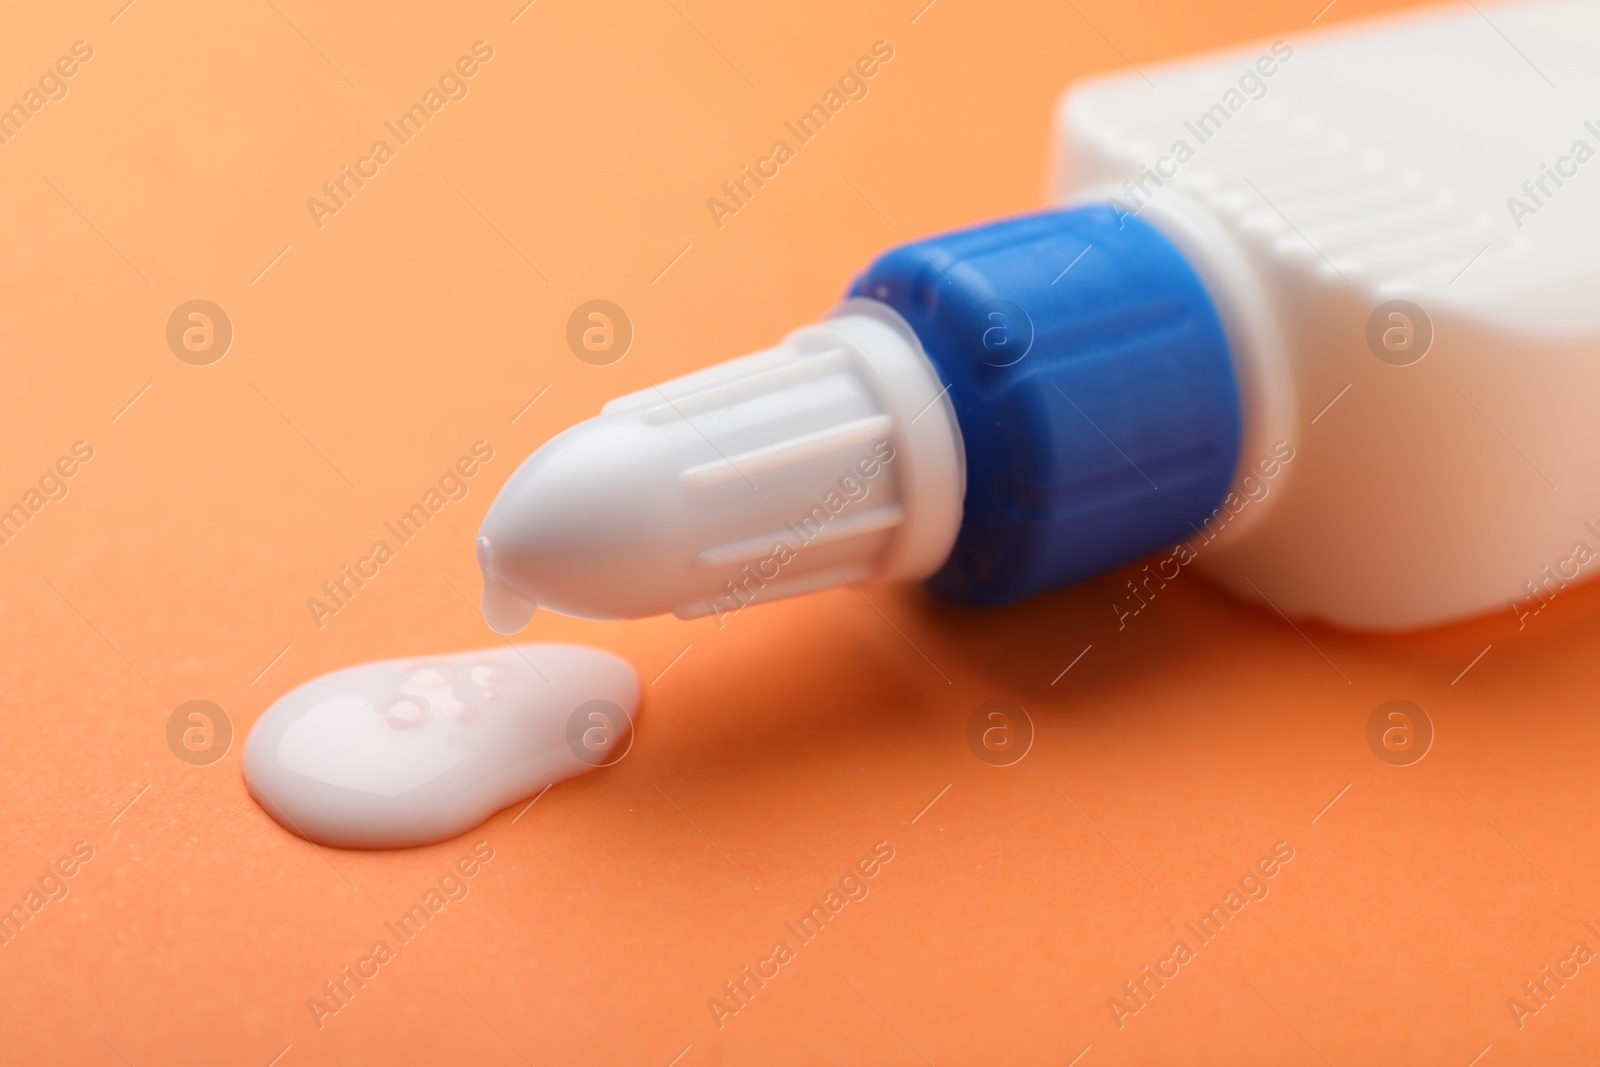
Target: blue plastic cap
1093	385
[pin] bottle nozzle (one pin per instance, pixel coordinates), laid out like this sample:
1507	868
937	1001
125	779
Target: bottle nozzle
832	457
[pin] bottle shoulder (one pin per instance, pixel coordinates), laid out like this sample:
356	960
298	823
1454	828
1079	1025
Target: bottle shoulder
1459	178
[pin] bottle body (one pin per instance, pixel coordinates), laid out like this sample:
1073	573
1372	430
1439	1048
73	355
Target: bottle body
1446	461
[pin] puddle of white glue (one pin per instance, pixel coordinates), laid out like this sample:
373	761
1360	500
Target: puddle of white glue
411	751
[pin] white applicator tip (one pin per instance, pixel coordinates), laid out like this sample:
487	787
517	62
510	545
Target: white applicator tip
832	457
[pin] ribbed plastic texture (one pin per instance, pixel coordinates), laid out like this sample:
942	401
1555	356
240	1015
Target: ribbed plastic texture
1093	385
830	458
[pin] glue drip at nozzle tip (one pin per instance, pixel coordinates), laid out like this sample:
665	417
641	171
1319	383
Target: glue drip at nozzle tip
504	609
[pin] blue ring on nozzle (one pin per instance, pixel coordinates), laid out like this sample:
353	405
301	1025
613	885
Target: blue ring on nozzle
1093	384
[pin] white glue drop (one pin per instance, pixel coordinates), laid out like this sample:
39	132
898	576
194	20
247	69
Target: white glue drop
410	751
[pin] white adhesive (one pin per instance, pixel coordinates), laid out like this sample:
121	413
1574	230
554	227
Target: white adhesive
411	751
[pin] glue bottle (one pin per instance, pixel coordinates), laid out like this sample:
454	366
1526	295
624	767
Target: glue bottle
1316	316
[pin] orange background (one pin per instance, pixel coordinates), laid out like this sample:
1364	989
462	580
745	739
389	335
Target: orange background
425	316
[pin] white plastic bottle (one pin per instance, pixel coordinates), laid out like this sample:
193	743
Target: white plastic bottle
1319	319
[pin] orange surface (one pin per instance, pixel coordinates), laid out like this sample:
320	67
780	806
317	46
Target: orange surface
772	754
